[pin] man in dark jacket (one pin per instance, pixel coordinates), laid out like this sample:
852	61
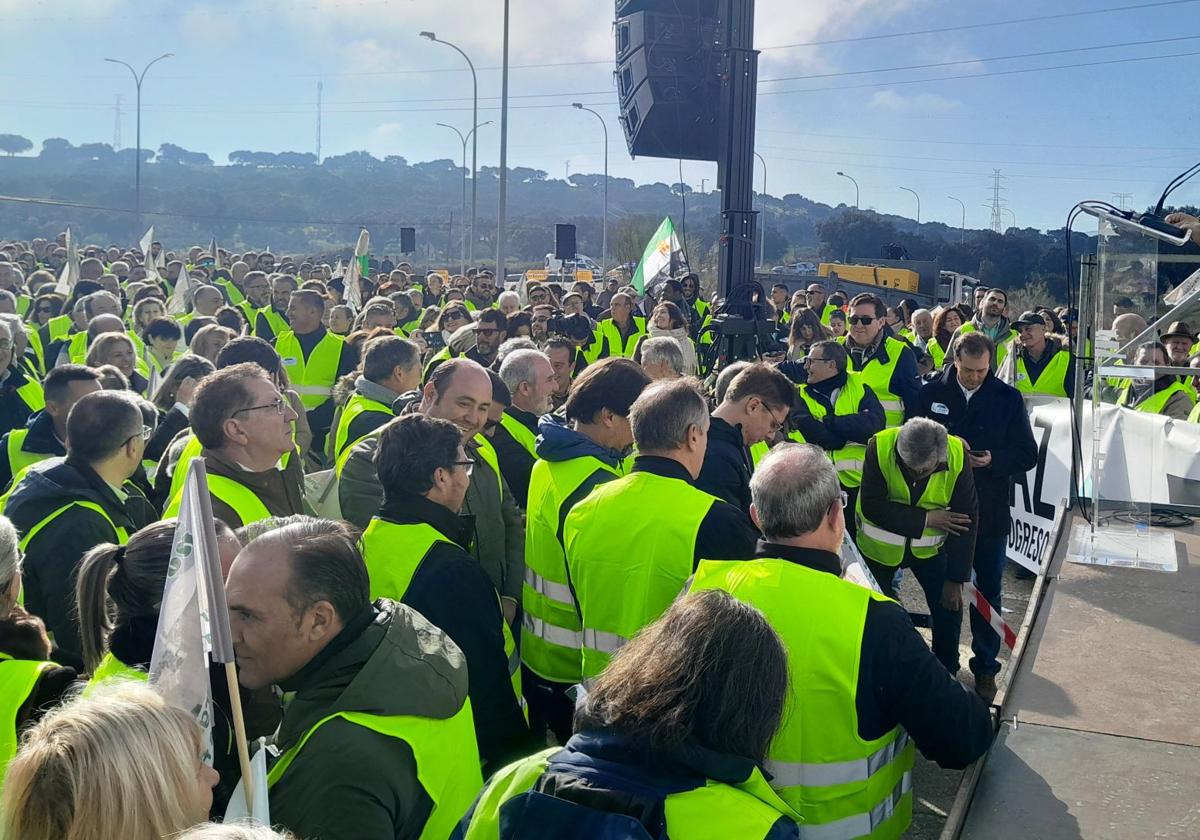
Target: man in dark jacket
65	507
416	551
756	406
46	432
990	416
529	377
377	740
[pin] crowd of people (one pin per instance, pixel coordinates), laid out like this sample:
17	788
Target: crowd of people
503	562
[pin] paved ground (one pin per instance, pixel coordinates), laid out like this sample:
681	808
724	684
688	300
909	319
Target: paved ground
934	788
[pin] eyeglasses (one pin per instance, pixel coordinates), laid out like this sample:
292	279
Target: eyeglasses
810	359
144	434
864	320
468	466
844	497
278	405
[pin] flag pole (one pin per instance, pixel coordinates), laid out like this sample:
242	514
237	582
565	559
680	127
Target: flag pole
222	637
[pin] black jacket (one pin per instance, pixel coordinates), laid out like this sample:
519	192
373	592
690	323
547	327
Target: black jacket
833	431
170	423
52	556
901	682
452	590
906	380
909	520
995	420
41	440
727	465
14	412
516	463
726	533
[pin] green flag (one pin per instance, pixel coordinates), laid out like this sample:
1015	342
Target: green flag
663	256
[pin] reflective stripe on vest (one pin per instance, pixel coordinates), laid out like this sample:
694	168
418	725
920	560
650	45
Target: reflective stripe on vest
1052	380
520	433
842	786
120	535
627	562
878	376
551	634
238	497
356	405
848	460
311	378
18	679
444	751
746	810
18	458
886	547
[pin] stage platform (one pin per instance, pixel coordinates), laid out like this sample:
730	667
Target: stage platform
1100	722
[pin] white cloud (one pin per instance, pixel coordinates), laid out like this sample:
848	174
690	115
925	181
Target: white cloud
209	26
780	22
920	103
386	139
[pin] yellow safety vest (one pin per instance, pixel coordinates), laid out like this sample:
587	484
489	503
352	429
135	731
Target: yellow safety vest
18	679
748	810
236	298
60	326
520	433
487	453
1153	404
111	668
312	378
32	395
39	352
444	750
883	546
356	405
842	785
878	376
18	458
393	553
1001	343
120	535
1052	380
848	460
936	353
627	562
277	323
551	633
240	498
608	338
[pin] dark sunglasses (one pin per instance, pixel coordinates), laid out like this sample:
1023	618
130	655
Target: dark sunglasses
864	320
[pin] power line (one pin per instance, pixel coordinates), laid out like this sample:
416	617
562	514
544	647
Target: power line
1182	152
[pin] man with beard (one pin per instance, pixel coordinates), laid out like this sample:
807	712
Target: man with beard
989	319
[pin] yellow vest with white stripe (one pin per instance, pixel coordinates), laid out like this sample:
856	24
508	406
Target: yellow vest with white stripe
520	433
312	378
848	460
355	406
608	336
630	546
393	553
18	679
551	633
1153	404
1052	380
878	376
444	750
883	546
842	785
748	810
239	497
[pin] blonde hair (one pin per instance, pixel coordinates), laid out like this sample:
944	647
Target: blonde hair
102	346
119	763
233	831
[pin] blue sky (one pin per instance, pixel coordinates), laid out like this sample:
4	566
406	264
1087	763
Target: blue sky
244	75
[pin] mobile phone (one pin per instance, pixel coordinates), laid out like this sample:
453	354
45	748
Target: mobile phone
978	453
434	339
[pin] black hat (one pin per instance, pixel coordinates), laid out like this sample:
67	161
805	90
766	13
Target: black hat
1029	319
1179	329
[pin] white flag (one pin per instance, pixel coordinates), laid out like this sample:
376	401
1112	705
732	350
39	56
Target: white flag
193	620
147	246
69	275
184	287
236	810
353	294
216	253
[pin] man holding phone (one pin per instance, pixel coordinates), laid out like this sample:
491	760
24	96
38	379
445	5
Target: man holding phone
990	417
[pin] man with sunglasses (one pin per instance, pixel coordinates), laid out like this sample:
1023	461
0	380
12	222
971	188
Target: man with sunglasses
64	507
417	551
244	425
886	363
491	328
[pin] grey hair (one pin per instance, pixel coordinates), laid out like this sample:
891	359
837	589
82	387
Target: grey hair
8	329
792	489
507	296
664	413
520	366
917	312
10	554
921	443
662	351
15	325
90	300
512	345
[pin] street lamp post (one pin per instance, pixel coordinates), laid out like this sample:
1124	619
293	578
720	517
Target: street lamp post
462	215
604	226
762	244
1011	213
914	192
962	235
137	169
475	139
502	204
844	175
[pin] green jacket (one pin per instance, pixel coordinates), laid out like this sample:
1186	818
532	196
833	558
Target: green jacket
349	782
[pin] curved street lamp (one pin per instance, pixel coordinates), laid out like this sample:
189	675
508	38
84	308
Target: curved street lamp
138	78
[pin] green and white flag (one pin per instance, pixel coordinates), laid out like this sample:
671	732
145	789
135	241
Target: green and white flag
69	275
352	293
661	260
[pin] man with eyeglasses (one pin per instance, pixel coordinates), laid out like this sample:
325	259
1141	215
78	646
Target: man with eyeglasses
482	292
864	687
417	551
257	288
838	412
244	426
756	406
64	507
886	363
